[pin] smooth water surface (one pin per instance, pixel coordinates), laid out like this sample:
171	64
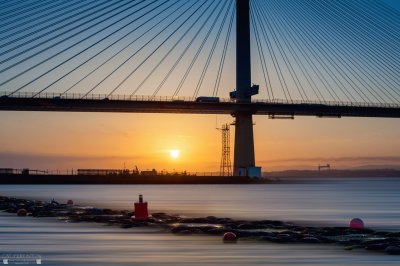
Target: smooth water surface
376	201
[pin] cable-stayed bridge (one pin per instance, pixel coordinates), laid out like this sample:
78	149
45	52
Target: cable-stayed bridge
322	58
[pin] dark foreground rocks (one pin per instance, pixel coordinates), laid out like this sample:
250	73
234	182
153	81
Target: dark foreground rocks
263	230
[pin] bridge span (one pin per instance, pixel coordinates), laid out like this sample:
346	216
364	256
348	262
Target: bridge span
182	105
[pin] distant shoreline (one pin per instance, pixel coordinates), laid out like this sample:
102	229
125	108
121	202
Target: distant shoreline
270	177
332	173
124	179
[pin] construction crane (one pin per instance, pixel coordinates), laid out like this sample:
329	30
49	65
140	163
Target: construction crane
327	166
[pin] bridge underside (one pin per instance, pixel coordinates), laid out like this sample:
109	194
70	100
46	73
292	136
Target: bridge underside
275	110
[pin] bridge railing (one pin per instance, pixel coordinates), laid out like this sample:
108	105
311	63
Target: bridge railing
330	103
76	96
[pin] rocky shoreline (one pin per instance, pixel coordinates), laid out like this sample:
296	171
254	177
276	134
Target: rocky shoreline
262	230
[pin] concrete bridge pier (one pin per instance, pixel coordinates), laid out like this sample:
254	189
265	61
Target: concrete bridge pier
244	158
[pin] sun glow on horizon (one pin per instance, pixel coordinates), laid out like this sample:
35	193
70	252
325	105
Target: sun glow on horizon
174	153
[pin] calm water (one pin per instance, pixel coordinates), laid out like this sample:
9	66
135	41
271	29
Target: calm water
377	201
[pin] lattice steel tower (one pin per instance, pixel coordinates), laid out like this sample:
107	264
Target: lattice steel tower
226	167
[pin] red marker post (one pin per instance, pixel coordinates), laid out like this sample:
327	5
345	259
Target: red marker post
141	210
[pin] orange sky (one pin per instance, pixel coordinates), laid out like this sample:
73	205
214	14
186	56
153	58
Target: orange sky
104	140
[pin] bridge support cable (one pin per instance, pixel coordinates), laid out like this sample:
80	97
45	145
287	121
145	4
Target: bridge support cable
328	63
341	69
138	50
137	38
390	36
261	57
62	51
358	47
223	57
382	9
24	10
315	52
343	52
294	54
195	57
363	67
27	19
373	41
182	54
285	59
210	55
307	61
112	44
273	56
15	6
169	52
67	8
89	47
383	57
162	43
47	37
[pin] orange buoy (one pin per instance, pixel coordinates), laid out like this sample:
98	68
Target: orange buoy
356	223
229	237
141	210
22	212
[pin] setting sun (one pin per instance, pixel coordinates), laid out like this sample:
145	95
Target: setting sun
174	153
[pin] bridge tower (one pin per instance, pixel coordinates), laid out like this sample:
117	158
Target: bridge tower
244	158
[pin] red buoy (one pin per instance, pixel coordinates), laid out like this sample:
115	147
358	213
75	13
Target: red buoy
22	212
229	237
70	202
356	223
141	211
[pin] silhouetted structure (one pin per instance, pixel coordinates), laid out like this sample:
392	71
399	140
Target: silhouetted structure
327	167
244	157
225	168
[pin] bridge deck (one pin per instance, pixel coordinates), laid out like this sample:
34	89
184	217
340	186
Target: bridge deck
188	106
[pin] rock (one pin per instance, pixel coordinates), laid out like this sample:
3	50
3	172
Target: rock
125	226
393	250
198	221
333	231
349	242
246	226
310	240
394	234
378	246
284	238
180	229
108	212
360	231
215	231
272	222
95	211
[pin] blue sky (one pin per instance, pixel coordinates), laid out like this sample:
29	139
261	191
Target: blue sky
394	3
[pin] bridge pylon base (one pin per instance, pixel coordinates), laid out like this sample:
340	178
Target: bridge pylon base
244	158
